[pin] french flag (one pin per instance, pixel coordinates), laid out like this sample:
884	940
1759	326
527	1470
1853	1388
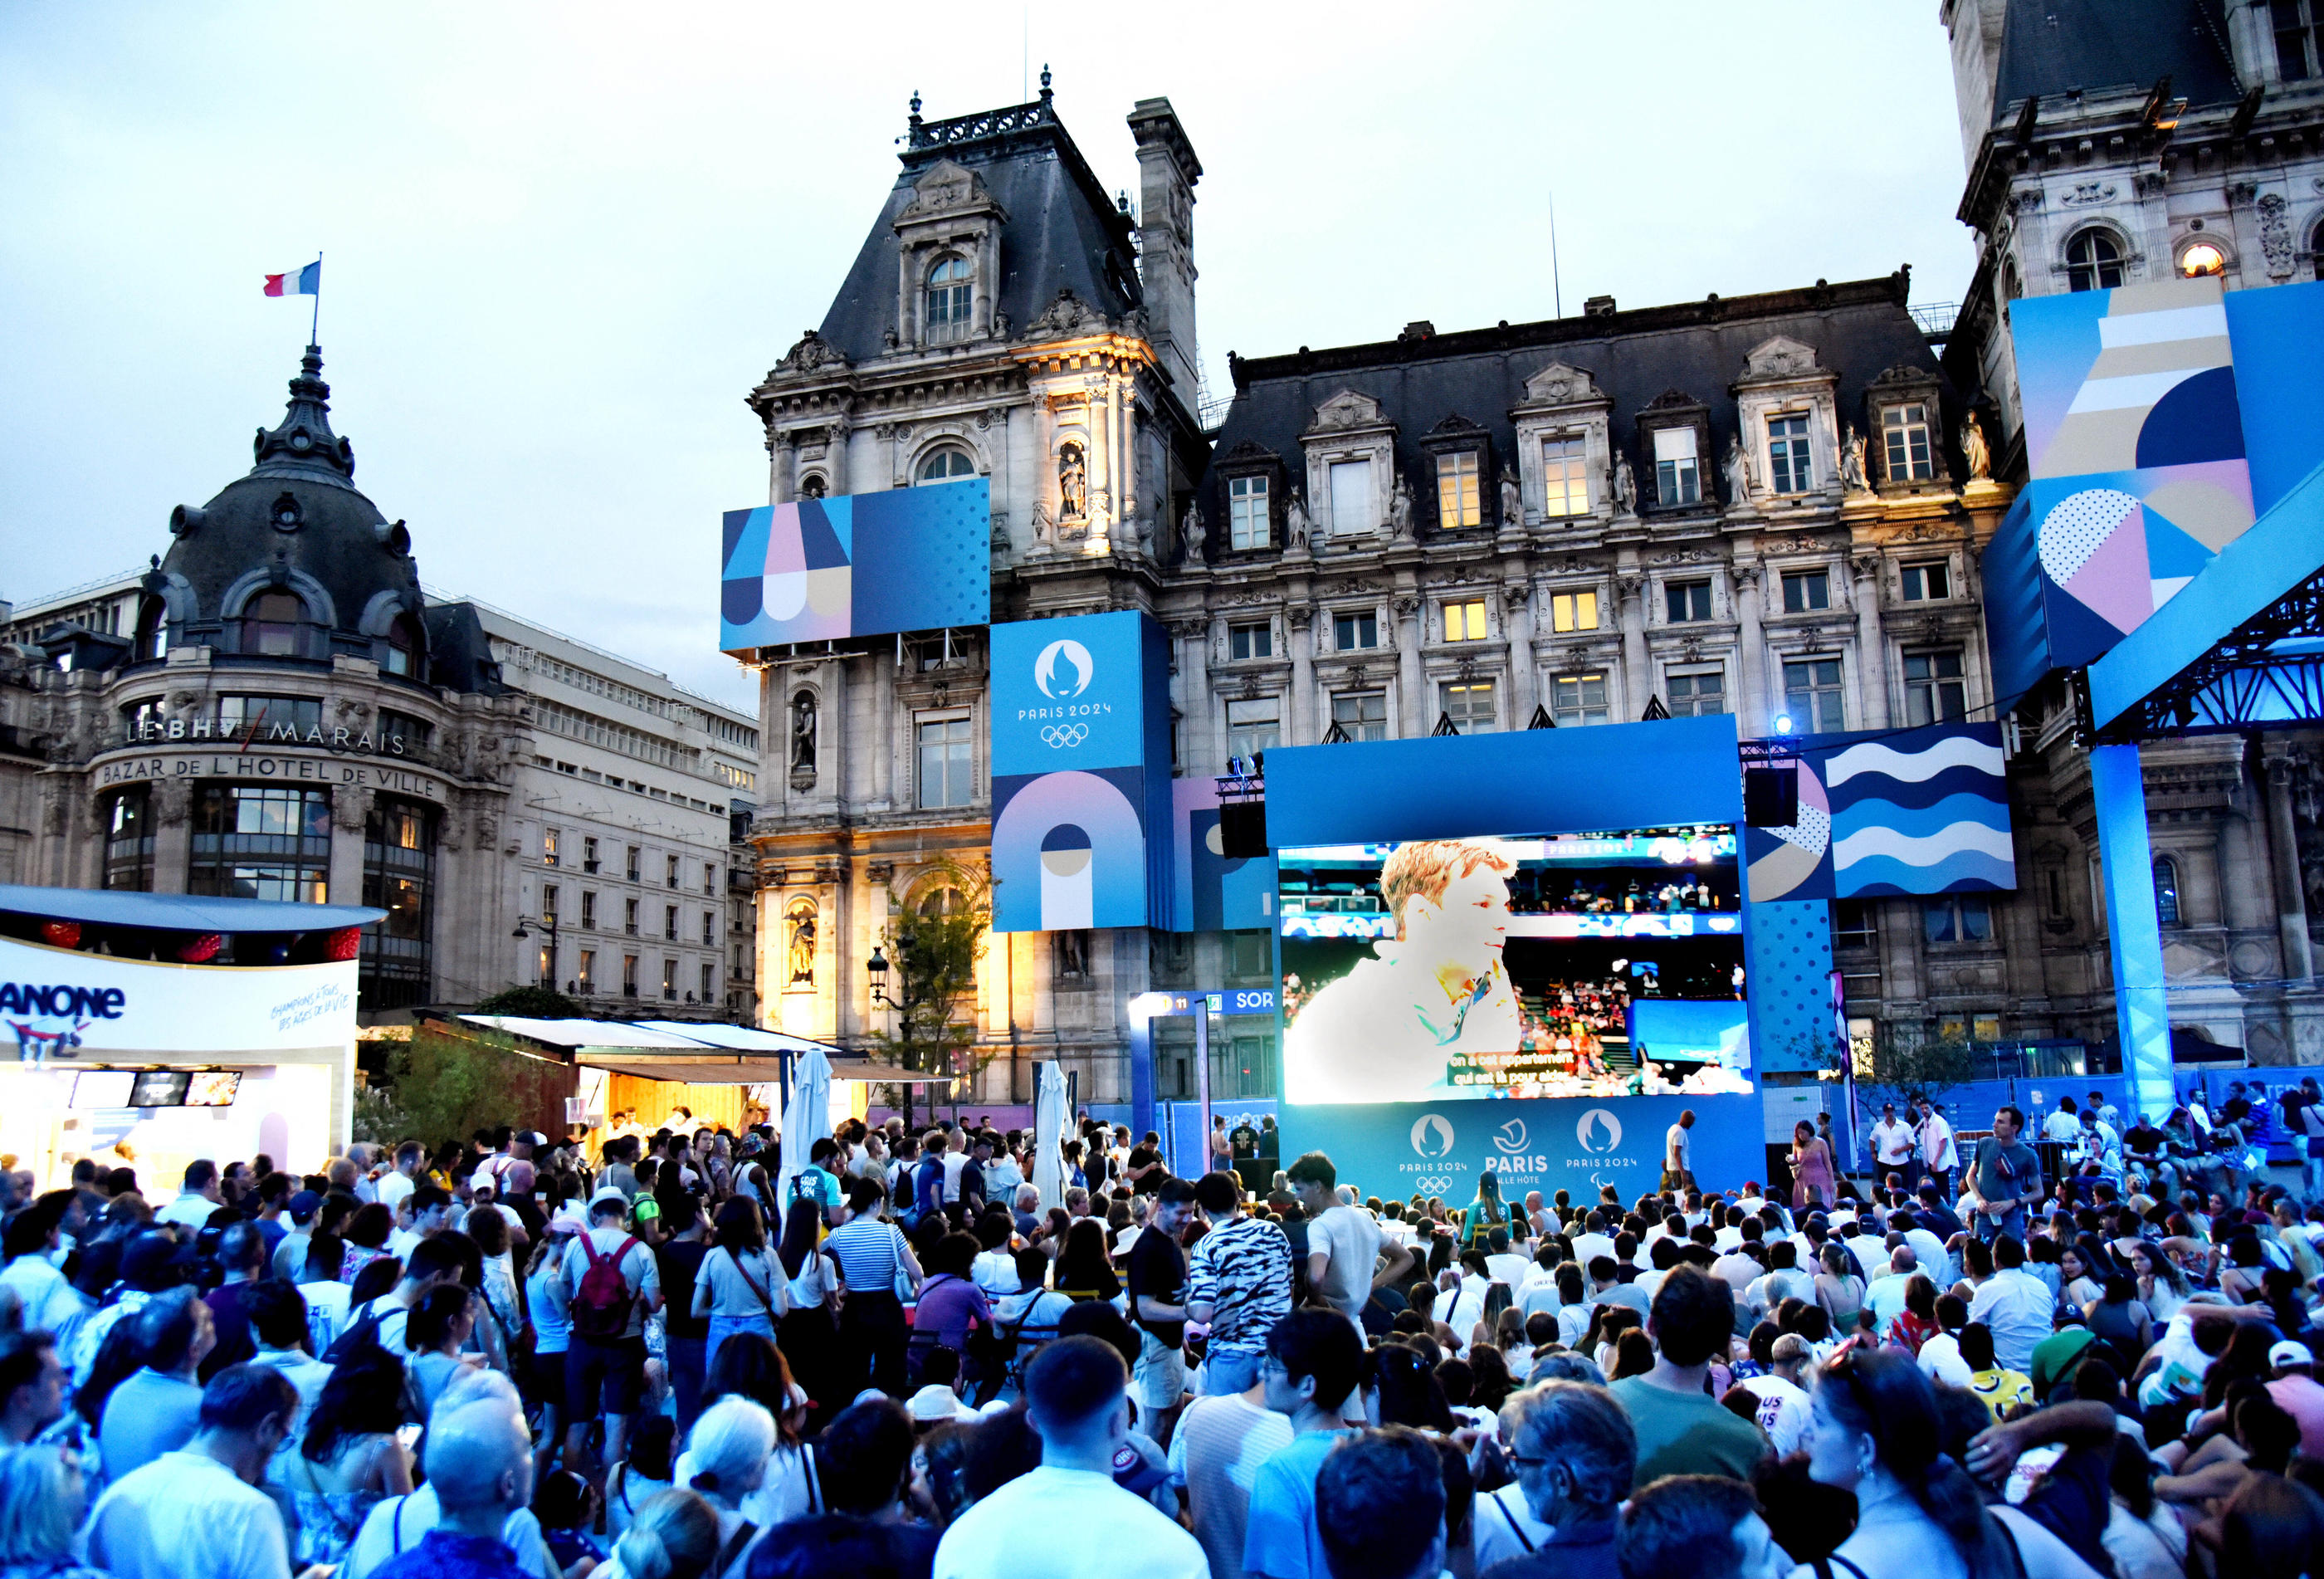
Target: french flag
306	281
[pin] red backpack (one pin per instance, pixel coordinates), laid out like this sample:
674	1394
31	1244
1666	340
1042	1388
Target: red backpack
601	1306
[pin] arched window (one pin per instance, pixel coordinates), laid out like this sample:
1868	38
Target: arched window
153	630
270	624
941	902
944	466
811	486
2093	262
2202	259
948	298
403	648
2166	890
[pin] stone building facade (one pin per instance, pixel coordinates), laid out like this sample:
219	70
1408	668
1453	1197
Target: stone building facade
276	709
2108	145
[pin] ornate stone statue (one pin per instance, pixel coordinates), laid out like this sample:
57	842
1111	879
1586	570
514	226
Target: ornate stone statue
800	949
1852	475
1040	524
1296	523
1625	481
1738	472
803	733
1190	529
1974	449
1073	484
1399	510
1512	501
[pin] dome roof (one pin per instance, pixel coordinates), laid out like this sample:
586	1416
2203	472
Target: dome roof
296	523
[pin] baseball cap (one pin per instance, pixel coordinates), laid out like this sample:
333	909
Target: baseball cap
2288	1352
532	1138
608	1192
569	1220
1139	1465
304	1205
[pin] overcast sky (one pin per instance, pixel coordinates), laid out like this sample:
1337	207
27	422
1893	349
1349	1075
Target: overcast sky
562	242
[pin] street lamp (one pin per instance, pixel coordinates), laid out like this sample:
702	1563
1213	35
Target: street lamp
878	966
549	925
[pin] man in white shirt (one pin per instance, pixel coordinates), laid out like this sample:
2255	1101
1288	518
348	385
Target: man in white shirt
610	1366
1678	1154
1343	1242
1938	1154
397	1183
1784	1412
1215	1457
192	1208
196	1513
1891	1142
47	1301
397	1524
2064	1124
1928	1250
1076	1393
2015	1305
1504	1264
1885	1293
430	1262
1593	1240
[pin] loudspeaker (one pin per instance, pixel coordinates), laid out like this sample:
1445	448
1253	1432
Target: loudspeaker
1770	797
1243	829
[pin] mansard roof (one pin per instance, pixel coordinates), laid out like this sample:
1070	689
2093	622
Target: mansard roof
2051	47
1062	229
1859	329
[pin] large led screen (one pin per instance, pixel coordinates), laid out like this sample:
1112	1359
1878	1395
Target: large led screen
1581	964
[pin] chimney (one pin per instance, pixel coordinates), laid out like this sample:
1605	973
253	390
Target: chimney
1167	170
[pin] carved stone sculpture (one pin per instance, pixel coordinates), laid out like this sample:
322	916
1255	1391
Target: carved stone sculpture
1974	449
803	731
1191	529
1852	475
1073	484
1738	472
1399	510
1512	502
1296	523
1625	481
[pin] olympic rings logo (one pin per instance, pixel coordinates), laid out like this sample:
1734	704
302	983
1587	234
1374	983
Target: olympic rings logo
1060	736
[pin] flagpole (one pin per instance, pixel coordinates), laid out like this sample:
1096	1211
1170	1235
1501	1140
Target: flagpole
314	326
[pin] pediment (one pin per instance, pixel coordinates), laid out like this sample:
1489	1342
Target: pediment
1780	357
1561	384
1347	410
946	186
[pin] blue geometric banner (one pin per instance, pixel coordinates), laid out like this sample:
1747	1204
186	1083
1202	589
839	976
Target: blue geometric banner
788	572
1914	811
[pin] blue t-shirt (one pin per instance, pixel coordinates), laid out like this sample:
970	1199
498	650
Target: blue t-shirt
1283	1539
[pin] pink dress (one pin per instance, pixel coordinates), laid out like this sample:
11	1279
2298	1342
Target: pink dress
1812	1181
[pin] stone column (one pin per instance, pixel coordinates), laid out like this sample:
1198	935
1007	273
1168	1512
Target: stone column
1630	600
2283	764
1417	707
1516	602
1299	716
1751	703
836	444
1871	644
781	468
173	834
350	811
835	740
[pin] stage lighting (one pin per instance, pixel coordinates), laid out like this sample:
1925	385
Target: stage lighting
1770	797
1782	722
1243	829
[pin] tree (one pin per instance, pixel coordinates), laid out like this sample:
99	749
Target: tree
532	1004
931	992
444	1084
1909	1061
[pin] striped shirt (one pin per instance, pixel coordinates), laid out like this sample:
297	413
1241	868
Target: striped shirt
870	1253
1242	1271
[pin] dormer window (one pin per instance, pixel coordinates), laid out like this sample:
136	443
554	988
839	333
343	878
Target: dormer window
943	466
2298	54
1565	477
402	655
1248	525
1458	501
1678	473
1790	468
1904	432
948	299
270	625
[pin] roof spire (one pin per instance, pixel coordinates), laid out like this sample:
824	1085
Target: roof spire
1045	82
302	444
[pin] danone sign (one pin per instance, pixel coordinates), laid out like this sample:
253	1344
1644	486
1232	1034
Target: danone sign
60	1003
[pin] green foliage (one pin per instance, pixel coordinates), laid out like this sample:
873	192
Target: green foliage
532	1004
932	954
441	1087
1908	1061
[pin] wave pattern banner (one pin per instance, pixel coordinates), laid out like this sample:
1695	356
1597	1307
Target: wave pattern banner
1925	811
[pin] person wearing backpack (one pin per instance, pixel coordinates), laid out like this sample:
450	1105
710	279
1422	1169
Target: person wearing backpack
382	1320
615	1286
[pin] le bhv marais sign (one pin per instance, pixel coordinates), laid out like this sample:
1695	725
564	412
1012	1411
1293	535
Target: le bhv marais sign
235	755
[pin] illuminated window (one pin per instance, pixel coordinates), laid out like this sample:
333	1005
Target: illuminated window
1934	690
262	844
1458	503
1361	715
1927	582
2299	56
587	980
1465	622
2093	262
1351	497
1696	693
1789	468
945	746
948	299
1811	695
2203	258
1254	725
1678	476
1687	601
1905	432
549	841
1354	631
1251	641
1574	610
944	466
1247	525
1577	698
1564	476
1468	704
2166	890
1805	591
669	980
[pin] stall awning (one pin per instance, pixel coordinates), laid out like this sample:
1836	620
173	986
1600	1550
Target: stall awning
692	1053
738	1037
583	1033
179	912
708	1069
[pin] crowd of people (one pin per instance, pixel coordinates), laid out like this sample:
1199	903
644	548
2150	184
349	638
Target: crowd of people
666	1356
